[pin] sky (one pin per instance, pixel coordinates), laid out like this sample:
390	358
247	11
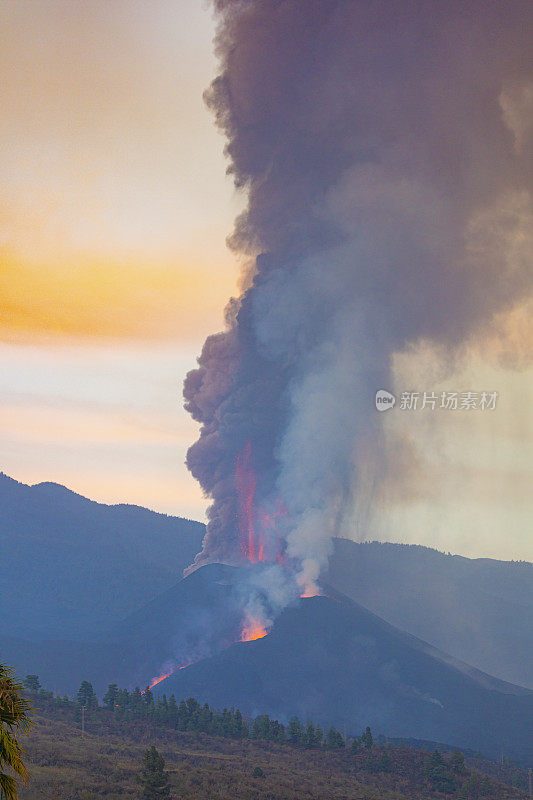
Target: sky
114	268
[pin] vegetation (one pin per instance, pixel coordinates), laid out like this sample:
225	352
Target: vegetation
438	773
86	696
153	778
32	683
457	763
14	719
365	741
241	761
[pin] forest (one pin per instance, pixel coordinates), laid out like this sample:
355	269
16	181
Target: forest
81	750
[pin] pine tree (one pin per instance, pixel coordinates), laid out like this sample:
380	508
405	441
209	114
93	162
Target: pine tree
367	739
123	700
313	736
193	706
111	696
239	729
136	702
86	696
193	710
32	683
268	729
295	731
224	722
278	731
172	711
457	763
335	740
437	773
153	778
204	718
161	710
182	716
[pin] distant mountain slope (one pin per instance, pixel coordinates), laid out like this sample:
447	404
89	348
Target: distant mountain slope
333	661
71	566
194	617
479	610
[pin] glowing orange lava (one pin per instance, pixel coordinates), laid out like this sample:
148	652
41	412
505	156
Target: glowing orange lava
251	541
252	630
257	539
311	590
162	677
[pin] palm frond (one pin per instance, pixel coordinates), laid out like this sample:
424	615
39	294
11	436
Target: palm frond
8	787
11	754
14	719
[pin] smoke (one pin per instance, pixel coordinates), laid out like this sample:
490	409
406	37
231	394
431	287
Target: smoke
385	149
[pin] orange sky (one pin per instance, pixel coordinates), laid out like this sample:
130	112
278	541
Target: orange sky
115	203
115	208
113	222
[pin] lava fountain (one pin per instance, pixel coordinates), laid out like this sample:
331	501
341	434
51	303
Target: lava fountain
251	542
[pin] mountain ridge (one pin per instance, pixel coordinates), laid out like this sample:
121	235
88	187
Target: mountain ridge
72	565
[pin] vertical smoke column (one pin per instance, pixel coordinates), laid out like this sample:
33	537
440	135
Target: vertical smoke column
385	151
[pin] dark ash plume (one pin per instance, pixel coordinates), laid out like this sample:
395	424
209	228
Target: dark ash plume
386	152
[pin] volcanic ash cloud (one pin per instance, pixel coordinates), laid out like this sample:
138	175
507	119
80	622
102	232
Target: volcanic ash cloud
385	149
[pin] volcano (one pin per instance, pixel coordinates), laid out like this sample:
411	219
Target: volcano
197	616
326	658
329	659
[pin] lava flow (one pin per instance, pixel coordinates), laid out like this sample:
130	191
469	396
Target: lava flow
164	675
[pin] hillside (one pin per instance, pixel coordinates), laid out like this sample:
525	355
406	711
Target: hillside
332	660
194	617
478	610
71	567
63	765
326	657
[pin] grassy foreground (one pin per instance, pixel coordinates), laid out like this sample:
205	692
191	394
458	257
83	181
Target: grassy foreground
105	762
